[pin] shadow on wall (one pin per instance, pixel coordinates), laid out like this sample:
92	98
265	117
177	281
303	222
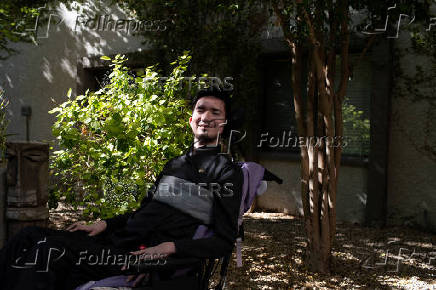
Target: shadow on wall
40	75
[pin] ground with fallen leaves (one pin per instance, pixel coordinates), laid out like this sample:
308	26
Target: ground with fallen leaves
273	255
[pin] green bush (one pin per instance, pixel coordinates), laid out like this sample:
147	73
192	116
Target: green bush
116	140
356	130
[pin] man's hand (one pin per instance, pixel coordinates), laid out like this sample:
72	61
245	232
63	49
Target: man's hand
93	229
160	251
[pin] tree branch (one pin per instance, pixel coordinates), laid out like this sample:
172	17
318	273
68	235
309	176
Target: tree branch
364	51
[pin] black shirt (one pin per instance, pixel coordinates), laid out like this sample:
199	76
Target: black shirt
155	222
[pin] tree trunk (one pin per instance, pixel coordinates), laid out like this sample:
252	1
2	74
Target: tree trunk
321	127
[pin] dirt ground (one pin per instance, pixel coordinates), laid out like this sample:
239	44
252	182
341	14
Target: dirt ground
369	258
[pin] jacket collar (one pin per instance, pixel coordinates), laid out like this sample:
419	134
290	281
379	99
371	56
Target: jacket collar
204	150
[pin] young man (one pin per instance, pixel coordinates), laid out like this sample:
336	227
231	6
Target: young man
199	187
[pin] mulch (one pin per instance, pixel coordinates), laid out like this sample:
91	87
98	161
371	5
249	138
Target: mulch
274	248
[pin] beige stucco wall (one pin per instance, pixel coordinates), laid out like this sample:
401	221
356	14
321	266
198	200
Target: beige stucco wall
46	71
351	196
284	197
412	157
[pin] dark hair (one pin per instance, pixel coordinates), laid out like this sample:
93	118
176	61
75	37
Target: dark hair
223	96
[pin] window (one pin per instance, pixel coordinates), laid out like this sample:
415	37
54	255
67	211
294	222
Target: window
279	125
356	108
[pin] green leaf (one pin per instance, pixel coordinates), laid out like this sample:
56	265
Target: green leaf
104	57
109	137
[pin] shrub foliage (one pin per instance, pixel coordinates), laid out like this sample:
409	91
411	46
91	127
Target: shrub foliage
114	141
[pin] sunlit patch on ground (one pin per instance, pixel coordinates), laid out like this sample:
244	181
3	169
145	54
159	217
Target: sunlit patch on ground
359	257
369	258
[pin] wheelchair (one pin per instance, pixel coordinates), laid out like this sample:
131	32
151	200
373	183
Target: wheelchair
195	273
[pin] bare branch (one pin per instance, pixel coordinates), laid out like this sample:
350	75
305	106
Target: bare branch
296	62
364	51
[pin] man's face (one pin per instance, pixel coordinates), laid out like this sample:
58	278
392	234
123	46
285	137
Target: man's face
208	120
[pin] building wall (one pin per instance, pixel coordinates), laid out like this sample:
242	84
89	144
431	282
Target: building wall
351	195
38	74
412	156
41	73
282	197
353	179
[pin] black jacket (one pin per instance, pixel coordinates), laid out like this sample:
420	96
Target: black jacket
155	222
